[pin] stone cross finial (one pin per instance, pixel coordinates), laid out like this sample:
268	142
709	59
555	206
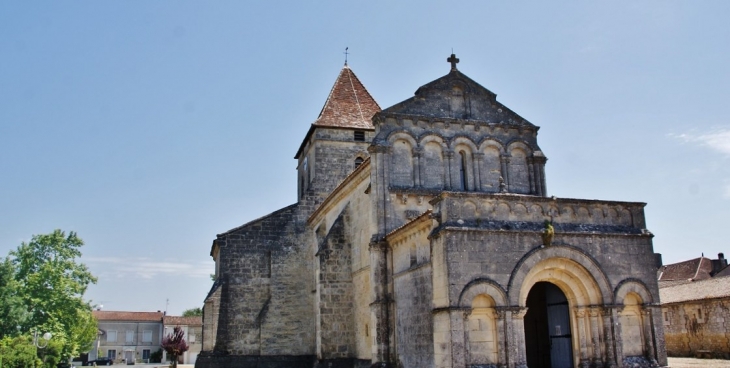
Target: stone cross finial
453	60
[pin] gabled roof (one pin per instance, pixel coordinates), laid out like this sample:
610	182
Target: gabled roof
437	100
718	287
695	269
182	321
349	105
128	316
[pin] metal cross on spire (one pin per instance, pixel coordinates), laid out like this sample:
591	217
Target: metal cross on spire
346	53
453	60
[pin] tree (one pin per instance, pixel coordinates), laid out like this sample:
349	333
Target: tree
193	312
174	344
51	284
18	352
12	310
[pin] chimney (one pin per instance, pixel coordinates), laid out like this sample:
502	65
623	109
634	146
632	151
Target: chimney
718	264
658	260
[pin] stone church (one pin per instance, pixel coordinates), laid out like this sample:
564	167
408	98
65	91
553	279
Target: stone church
424	236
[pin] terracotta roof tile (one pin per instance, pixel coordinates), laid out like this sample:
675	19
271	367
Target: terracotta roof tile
128	316
718	287
180	321
697	269
349	104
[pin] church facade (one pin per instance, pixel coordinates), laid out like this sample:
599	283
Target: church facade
423	236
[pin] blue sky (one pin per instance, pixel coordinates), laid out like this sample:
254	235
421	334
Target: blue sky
150	127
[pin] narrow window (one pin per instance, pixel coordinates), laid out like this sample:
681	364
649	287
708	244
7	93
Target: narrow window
146	354
359	136
699	313
462	172
111	354
130	336
666	317
366	330
358	162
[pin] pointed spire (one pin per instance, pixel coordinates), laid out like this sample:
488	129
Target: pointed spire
349	105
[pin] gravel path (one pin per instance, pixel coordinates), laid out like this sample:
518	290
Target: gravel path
698	363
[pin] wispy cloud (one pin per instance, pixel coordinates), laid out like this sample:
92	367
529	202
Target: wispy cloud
146	268
718	139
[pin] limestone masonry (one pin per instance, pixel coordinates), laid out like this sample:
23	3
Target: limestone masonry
420	239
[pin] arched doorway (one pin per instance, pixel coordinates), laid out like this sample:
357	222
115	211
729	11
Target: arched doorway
548	339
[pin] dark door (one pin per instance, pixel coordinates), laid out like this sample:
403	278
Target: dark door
548	342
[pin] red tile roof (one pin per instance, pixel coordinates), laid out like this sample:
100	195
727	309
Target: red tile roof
183	321
128	316
349	104
696	269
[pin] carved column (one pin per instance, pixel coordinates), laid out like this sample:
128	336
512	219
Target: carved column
595	336
646	320
618	334
608	337
379	308
417	153
448	165
505	169
581	315
516	354
501	337
478	160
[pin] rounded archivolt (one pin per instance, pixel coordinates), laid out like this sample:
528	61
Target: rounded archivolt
632	286
576	274
482	287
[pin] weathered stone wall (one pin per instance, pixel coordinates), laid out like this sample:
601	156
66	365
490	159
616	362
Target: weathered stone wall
266	306
699	328
336	328
211	309
331	155
413	295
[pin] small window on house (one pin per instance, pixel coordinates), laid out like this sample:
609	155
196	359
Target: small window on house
146	354
111	336
666	317
359	136
366	330
414	259
191	338
147	336
111	354
358	162
130	336
699	313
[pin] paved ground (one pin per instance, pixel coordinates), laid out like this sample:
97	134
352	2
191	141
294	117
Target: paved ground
698	363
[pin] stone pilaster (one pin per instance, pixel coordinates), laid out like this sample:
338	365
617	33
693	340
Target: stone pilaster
501	337
608	336
646	321
598	357
516	354
581	315
380	307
